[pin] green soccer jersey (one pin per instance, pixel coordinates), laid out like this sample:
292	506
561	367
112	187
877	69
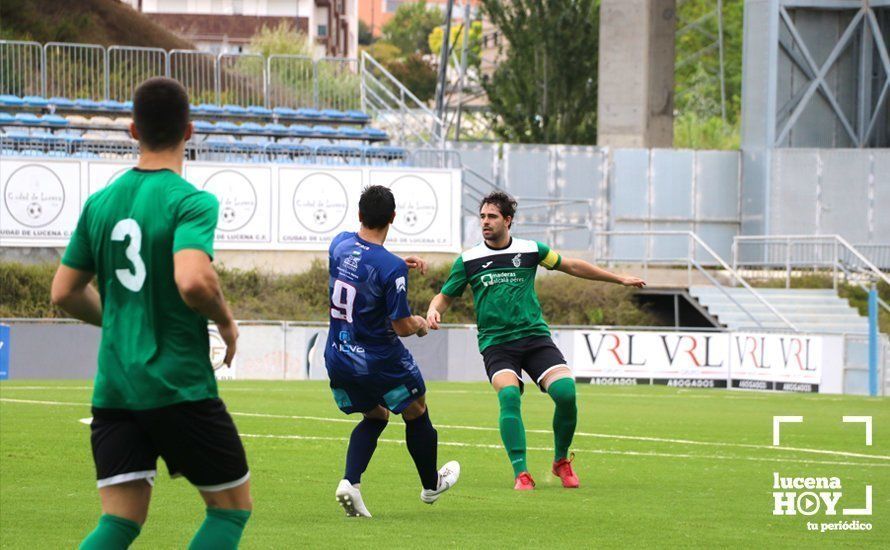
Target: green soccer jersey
154	350
503	282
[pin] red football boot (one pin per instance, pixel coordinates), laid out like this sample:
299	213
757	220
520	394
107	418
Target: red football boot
562	469
524	482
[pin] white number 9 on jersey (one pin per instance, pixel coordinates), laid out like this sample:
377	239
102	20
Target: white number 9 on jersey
343	298
132	280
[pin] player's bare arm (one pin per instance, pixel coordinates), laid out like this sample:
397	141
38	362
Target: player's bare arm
199	287
409	326
71	291
438	307
416	262
585	270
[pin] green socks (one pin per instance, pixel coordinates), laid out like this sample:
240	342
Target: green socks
113	532
565	416
512	430
221	530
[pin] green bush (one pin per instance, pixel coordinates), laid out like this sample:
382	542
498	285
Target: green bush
255	295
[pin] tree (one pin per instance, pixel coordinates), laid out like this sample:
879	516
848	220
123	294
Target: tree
474	44
545	90
365	36
416	74
410	27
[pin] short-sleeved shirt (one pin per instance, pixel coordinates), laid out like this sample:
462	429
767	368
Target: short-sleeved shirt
155	349
503	282
368	290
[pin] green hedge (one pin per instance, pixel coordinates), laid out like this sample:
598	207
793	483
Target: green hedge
24	292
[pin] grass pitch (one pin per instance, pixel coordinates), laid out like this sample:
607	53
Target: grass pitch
658	466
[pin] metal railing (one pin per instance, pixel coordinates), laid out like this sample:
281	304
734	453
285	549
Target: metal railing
788	255
695	249
91	71
397	109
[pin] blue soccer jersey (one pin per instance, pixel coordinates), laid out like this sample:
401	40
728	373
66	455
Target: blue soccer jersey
366	362
368	290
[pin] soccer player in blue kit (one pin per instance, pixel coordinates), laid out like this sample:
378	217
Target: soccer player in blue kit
370	370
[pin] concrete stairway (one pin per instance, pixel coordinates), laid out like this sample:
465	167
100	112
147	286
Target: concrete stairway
811	310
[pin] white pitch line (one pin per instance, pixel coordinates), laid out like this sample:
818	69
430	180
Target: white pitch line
591	451
534	431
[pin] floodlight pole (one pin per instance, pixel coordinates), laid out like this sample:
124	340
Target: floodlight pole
443	70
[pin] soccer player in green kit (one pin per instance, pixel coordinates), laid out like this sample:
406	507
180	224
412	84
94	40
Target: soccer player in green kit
147	239
513	336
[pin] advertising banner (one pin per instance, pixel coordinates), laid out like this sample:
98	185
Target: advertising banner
41	202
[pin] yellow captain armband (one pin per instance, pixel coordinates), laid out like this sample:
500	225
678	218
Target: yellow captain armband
551	260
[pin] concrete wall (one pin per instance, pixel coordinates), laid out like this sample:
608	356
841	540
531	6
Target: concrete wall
636	73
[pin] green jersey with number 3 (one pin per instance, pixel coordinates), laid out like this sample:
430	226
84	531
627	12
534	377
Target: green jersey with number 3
155	349
503	282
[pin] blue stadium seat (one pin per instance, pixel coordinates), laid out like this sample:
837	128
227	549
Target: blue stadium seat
227	127
230	109
350	132
35	101
384	153
11	100
128	105
258	110
358	116
299	130
28	119
202	126
375	133
112	105
306	112
87	104
325	131
275	128
61	102
55	120
343	152
6	118
208	108
333	114
285	112
251	127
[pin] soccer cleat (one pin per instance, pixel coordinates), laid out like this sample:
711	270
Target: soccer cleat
562	469
350	498
448	476
524	482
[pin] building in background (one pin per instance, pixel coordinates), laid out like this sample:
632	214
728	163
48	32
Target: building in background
376	13
227	25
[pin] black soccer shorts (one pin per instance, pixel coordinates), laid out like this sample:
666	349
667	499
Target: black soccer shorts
536	355
197	440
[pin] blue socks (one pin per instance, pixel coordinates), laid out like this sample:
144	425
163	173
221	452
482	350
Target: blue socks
423	442
362	443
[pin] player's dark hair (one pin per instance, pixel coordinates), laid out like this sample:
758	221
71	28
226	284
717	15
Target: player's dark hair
505	204
376	206
161	113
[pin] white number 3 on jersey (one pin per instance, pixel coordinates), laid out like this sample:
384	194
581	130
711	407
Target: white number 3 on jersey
132	280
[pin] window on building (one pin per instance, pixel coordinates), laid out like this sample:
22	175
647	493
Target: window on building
390	6
322	31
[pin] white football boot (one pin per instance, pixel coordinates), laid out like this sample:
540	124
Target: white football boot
448	476
350	498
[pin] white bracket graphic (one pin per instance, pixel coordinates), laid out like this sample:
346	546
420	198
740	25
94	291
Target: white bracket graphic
777	423
867	421
861	511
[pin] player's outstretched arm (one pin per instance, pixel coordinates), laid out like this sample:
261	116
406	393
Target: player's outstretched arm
438	307
199	287
409	326
416	262
585	270
71	291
